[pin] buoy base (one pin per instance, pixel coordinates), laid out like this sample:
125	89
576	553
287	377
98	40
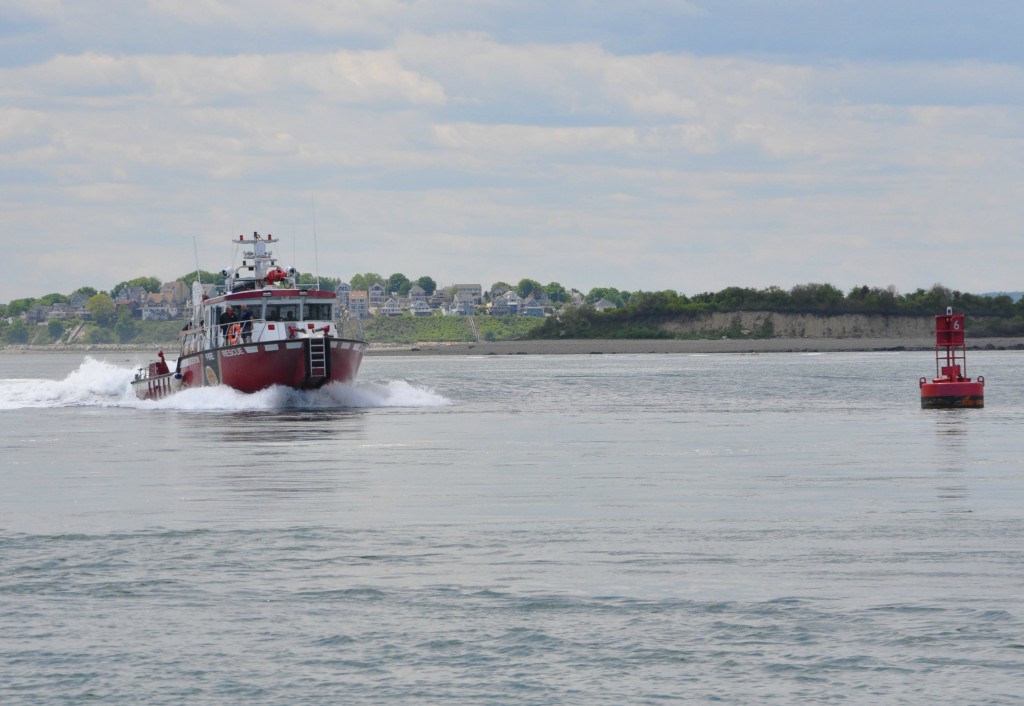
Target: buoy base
947	395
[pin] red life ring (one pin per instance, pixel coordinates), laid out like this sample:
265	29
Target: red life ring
234	333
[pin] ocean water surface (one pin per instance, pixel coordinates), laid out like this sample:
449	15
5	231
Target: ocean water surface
605	529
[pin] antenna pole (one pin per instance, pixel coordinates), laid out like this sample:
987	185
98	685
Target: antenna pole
195	248
316	252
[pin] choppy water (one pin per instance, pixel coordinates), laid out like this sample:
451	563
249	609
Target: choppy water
769	529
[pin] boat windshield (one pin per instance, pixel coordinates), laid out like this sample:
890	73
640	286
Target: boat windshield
297	311
316	312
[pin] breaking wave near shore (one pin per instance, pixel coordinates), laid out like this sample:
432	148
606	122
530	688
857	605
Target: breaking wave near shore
97	383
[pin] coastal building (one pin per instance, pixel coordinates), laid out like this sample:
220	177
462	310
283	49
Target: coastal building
499	290
175	292
420	308
531	307
342	291
417	294
159	308
77	304
470	292
36	314
461	305
59	311
436	300
499	307
513	301
358	305
391	308
377	295
127	295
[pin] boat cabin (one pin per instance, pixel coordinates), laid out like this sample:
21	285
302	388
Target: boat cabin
259	303
276	315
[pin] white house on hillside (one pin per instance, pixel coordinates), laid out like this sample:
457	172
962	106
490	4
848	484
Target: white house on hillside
391	308
420	308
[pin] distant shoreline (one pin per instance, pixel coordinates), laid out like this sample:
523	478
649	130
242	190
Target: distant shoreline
598	346
651	346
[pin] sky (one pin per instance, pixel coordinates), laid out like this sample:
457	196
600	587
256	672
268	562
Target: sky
690	145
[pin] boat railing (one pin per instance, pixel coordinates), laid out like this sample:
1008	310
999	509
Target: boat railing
262	333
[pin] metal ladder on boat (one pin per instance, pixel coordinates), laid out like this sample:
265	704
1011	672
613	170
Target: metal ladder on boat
317	365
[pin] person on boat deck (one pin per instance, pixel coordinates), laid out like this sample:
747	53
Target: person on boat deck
161	367
227	318
245	318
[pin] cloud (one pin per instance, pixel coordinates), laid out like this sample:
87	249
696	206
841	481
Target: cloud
19	127
339	77
449	146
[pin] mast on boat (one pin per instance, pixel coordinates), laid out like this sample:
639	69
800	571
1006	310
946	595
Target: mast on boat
259	266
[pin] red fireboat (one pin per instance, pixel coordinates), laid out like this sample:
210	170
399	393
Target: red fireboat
287	334
951	387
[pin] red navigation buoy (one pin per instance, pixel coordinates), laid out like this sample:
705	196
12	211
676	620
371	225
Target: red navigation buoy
951	387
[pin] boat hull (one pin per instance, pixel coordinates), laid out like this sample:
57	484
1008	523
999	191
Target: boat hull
251	367
945	394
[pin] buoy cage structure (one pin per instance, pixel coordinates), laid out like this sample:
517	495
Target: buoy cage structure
951	387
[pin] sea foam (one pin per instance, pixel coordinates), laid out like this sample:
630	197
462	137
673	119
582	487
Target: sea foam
98	383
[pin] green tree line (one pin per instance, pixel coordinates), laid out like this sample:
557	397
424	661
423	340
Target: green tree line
641	314
638	314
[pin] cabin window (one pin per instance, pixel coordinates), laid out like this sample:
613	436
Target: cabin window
282	312
317	312
298	311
